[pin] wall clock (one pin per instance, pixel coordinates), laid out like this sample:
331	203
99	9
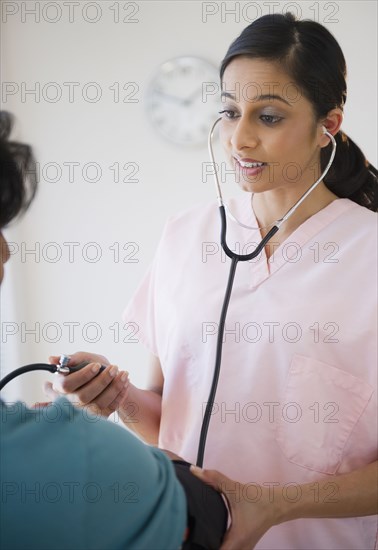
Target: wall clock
183	99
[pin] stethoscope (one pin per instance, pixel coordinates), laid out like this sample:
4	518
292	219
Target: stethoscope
64	368
235	258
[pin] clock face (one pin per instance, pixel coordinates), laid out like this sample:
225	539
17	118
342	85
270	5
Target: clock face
183	100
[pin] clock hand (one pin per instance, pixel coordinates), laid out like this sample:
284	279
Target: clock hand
192	96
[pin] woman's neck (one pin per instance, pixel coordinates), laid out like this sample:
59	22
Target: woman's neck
273	205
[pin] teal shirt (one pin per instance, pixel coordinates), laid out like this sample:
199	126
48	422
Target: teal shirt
72	480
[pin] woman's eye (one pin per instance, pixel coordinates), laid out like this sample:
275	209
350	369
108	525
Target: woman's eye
268	119
271	119
228	113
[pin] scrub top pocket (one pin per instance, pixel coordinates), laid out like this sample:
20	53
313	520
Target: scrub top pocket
321	407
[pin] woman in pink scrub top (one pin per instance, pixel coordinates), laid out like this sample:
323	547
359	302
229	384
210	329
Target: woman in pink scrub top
294	423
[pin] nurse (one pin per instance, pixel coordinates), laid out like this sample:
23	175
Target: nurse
294	423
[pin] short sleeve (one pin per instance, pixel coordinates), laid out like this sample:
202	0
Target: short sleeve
141	309
174	283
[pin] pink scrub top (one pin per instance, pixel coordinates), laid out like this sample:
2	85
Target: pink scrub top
297	394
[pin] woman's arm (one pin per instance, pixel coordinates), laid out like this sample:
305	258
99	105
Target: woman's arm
112	391
340	496
141	411
255	509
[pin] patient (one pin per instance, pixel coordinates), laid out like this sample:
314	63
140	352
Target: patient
65	482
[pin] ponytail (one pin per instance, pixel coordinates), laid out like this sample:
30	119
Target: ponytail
351	175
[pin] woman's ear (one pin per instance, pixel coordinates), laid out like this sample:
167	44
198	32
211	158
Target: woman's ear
332	122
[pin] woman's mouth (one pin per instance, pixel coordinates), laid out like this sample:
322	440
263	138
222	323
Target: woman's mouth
250	167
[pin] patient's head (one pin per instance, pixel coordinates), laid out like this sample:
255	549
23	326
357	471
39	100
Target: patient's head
18	182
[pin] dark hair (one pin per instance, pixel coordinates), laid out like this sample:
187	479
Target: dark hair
310	55
18	176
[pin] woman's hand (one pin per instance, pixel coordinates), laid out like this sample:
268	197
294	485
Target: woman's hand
253	509
102	394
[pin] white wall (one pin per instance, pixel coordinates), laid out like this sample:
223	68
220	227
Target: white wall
49	296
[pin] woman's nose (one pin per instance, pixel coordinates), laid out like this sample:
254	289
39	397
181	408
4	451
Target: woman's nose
244	135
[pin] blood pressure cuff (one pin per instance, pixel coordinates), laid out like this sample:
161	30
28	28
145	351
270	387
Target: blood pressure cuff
207	512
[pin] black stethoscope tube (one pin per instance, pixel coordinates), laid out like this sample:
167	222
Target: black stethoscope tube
235	258
242	257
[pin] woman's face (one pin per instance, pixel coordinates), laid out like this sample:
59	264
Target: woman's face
267	120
